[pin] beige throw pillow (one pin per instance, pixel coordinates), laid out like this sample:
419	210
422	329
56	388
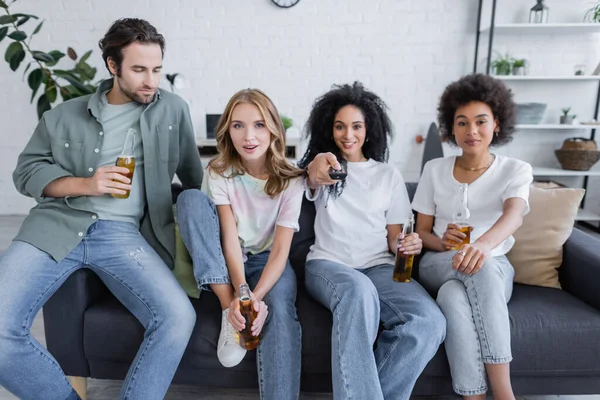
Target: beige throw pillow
538	249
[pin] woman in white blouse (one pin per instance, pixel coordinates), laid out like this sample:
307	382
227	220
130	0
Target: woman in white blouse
490	193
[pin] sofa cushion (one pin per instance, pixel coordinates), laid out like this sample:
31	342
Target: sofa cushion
538	248
553	333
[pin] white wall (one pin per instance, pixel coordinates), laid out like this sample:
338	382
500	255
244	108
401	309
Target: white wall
405	50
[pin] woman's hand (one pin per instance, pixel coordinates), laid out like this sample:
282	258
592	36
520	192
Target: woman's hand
318	170
238	321
411	244
452	237
470	258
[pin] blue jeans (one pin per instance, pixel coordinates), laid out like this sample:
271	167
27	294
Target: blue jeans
279	351
413	329
132	271
476	313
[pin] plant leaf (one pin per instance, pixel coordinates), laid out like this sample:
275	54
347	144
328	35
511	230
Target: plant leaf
77	84
16	60
3	32
85	57
18	36
35	79
21	15
72	53
37	28
23	20
3	4
51	92
41	56
27	68
43	105
12	49
7	19
57	55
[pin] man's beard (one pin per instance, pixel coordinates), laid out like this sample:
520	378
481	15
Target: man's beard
133	95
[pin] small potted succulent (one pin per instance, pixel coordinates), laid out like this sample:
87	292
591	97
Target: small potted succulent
519	67
566	118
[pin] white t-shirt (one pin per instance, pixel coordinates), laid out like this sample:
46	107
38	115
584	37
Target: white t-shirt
438	190
351	229
256	214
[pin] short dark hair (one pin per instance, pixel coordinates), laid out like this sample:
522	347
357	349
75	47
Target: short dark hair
483	88
122	33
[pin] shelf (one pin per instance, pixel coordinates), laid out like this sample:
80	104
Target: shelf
547	78
544	28
543	171
583	215
556	127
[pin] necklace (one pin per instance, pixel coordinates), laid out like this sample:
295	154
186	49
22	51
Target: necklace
478	169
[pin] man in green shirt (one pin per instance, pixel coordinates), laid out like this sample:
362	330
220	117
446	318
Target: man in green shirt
68	167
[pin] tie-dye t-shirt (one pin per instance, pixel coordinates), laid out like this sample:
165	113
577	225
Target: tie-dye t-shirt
256	214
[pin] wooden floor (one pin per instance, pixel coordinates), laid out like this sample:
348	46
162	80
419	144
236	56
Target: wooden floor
109	390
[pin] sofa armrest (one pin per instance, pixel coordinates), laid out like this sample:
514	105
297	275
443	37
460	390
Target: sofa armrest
63	320
580	270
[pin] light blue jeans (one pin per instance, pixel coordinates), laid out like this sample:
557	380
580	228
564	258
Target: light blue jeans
132	271
413	329
478	330
279	351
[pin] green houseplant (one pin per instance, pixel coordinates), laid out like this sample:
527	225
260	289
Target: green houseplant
44	78
566	118
502	64
287	121
592	14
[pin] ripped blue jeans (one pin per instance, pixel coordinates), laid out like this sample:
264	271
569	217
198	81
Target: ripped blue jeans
132	271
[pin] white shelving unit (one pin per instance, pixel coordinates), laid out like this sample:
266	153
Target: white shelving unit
545	171
547	78
546	29
555	127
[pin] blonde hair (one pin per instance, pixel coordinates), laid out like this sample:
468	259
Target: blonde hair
280	170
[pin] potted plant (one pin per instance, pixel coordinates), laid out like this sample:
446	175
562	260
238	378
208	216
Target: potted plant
45	78
566	118
502	64
592	14
287	121
519	67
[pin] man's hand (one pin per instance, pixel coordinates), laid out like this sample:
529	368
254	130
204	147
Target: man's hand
108	180
318	170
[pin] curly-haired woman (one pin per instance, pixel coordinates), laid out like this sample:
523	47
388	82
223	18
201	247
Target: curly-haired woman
349	268
473	283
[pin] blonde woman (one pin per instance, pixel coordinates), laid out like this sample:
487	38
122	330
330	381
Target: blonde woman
255	196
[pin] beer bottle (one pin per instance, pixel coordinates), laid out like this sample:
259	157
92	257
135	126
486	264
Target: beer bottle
404	262
127	160
245	337
462	215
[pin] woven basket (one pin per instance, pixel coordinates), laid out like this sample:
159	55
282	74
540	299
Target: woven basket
577	160
579	143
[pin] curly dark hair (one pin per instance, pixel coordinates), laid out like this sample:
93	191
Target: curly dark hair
319	127
483	88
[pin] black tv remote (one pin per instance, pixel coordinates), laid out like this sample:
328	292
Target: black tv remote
337	174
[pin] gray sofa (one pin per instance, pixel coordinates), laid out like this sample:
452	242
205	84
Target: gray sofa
555	333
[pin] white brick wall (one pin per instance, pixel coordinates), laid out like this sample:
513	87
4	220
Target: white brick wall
405	50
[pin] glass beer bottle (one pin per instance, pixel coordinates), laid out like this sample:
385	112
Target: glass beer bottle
462	215
404	262
127	160
245	337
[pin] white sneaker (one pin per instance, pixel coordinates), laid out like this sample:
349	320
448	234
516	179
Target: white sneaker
229	352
